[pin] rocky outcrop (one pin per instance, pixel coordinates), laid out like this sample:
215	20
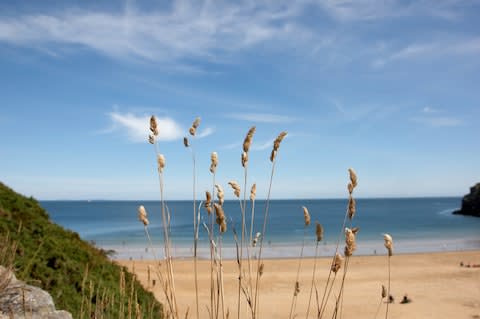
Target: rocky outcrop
19	300
471	202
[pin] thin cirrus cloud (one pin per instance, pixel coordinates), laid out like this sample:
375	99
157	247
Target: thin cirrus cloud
435	117
136	128
429	50
438	121
157	35
261	117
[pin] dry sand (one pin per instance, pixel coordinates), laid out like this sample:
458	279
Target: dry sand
438	286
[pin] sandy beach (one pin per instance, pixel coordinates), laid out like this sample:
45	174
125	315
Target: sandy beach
435	282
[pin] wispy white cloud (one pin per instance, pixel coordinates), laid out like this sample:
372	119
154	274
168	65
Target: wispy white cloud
261	117
431	49
438	121
262	145
136	127
206	132
368	10
232	146
190	29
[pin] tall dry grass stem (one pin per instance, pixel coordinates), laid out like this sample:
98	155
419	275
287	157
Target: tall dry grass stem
306	218
276	145
319	236
389	245
186	143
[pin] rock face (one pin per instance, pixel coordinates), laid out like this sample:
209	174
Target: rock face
19	300
471	202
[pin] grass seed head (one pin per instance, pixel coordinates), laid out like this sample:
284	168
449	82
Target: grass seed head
297	288
337	263
244	159
248	139
255	239
350	243
319	231
220	194
253	192
350	188
261	269
384	291
185	142
388	244
353	177
208	202
351	207
193	129
223	226
235	187
306	216
153	125
213	162
276	145
142	215
151	139
219	213
161	162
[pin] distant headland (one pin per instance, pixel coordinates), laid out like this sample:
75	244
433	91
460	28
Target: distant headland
471	202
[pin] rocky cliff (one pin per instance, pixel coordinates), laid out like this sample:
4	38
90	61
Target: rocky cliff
19	300
471	202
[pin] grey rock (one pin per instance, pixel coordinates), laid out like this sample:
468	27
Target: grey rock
19	300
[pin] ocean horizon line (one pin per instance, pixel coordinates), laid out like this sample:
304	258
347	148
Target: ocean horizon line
257	199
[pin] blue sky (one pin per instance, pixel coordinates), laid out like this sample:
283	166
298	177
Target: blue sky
389	88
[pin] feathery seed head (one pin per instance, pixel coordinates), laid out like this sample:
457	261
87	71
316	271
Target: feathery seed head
306	216
219	213
244	159
350	188
142	215
276	145
153	125
351	207
319	231
235	187
255	239
248	139
151	139
337	263
353	177
161	162
388	244
213	162
223	226
350	244
193	129
196	122
253	192
297	288
220	194
208	202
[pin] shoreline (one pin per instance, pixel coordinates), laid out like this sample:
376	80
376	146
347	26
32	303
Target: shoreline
436	283
292	250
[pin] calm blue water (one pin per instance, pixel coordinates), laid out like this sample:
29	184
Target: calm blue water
416	224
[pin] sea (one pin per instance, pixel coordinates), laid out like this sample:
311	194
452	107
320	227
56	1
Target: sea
417	225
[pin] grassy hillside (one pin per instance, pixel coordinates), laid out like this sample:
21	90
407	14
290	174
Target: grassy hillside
55	259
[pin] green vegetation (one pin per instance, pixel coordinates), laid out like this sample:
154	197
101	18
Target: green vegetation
80	277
